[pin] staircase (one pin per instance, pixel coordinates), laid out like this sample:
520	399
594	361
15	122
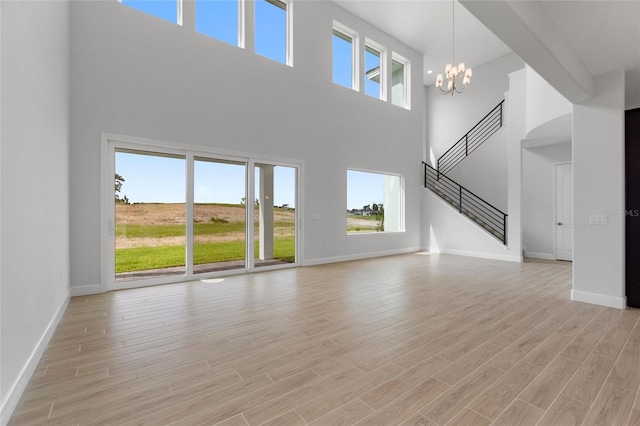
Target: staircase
487	216
490	123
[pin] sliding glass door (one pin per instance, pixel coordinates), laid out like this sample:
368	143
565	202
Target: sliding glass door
178	215
150	215
219	215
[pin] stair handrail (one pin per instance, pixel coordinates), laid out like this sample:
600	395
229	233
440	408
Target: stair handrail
454	187
464	140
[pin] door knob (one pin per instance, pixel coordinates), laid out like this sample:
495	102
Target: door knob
559	223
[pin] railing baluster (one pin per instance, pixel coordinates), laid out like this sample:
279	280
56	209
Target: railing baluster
478	210
479	133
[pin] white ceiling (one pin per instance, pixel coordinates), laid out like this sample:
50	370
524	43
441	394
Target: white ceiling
604	34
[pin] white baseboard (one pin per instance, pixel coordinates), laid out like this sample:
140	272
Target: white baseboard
482	255
543	256
359	256
11	399
83	290
599	299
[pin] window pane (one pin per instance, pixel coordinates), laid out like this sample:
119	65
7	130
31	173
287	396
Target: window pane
275	215
374	202
218	19
150	237
342	59
163	9
271	29
372	72
219	215
398	84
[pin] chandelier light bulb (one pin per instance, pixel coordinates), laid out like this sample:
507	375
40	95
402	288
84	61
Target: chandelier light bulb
452	71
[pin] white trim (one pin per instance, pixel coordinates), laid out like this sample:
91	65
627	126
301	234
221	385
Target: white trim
481	255
84	290
382	59
544	256
407	79
15	391
359	256
599	299
355	49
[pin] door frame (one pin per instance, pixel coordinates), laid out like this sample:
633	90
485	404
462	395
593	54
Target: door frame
111	142
555	206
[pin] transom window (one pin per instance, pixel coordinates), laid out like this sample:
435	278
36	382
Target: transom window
374	70
169	10
219	19
272	30
344	46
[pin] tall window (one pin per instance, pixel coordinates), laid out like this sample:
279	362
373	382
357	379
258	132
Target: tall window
272	30
344	57
169	10
375	202
399	81
219	19
374	70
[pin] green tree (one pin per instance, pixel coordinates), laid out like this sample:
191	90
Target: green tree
119	180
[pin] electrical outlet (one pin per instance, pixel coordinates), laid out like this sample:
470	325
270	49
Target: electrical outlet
597	219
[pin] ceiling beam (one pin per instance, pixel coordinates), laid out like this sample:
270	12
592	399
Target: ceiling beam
525	27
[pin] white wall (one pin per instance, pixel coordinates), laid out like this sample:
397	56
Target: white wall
598	188
539	199
35	185
136	75
544	103
485	172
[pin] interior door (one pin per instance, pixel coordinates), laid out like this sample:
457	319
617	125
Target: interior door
564	212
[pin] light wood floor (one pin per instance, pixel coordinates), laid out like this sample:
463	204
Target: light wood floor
413	340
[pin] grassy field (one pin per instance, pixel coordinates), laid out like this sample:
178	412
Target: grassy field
362	223
153	236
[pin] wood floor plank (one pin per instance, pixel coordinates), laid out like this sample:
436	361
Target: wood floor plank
626	370
565	411
406	404
317	407
451	402
542	391
499	395
348	414
467	364
390	389
260	413
519	413
468	417
408	339
587	381
612	407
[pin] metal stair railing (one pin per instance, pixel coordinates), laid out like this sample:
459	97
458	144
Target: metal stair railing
475	137
487	216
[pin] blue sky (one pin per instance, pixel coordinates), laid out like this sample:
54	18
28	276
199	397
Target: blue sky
162	179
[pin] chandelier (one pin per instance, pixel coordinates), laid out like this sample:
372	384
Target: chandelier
456	75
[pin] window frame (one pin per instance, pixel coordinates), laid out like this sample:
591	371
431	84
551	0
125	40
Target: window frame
395	57
288	55
400	200
382	51
240	36
355	54
179	12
